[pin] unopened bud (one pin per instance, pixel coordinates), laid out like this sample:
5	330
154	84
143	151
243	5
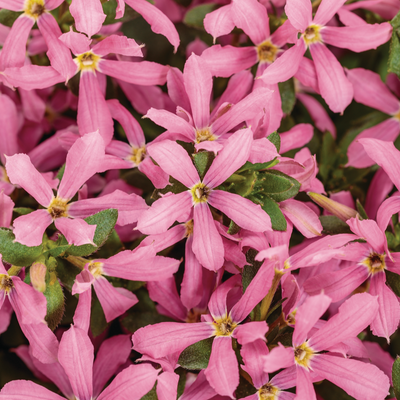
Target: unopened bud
38	276
341	211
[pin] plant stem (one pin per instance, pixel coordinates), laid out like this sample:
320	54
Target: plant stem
266	302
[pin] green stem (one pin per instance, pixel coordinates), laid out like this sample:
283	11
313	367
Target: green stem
14	270
266	302
79	262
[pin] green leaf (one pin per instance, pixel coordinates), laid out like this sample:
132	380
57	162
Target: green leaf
98	321
245	187
271	207
16	253
233	228
105	221
61	171
202	161
257	166
394	53
55	301
152	395
332	225
275	139
111	247
361	210
288	96
328	155
393	280
329	391
67	273
195	16
8	17
278	185
396	378
197	355
23	210
109	8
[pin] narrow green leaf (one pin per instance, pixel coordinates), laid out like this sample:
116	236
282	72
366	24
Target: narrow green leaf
197	355
275	139
8	17
332	225
98	321
67	273
394	52
55	301
257	166
288	96
393	280
328	155
396	377
23	210
233	228
105	221
60	172
195	16
202	161
278	185
16	253
361	210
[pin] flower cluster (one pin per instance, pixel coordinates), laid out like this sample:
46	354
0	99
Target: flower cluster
240	244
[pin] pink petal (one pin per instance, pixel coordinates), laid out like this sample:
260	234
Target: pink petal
192	284
175	161
385	155
31	77
305	389
244	212
83	282
380	187
92	119
164	240
198	84
250	332
302	217
326	10
219	22
6	209
76	231
169	337
29	229
164	212
171	122
8	128
176	89
296	137
112	354
223	371
25	390
335	88
337	284
131	384
253	356
355	39
114	301
34	107
118	45
200	389
77	42
286	65
13	5
370	231
252	18
82	312
279	357
228	60
349	18
299	13
354	316
132	129
129	206
207	242
234	154
21	172
382	359
388	316
389	207
307	75
14	48
308	315
84	159
286	33
76	355
59	54
167	386
386	131
158	177
217	304
145	73
88	15
158	21
363	381
262	150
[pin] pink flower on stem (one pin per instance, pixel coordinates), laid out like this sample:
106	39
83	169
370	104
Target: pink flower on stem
334	87
222	372
207	242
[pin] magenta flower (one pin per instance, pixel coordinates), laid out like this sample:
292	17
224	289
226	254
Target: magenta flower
207	242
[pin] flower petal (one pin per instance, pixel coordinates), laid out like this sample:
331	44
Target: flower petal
326	10
88	15
76	231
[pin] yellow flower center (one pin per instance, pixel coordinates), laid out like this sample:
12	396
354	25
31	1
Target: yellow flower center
224	326
268	392
6	283
34	8
58	208
200	193
312	34
138	154
291	320
375	262
303	354
397	116
204	134
96	268
87	61
267	52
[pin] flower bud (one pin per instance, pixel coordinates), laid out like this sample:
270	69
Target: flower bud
341	211
38	276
